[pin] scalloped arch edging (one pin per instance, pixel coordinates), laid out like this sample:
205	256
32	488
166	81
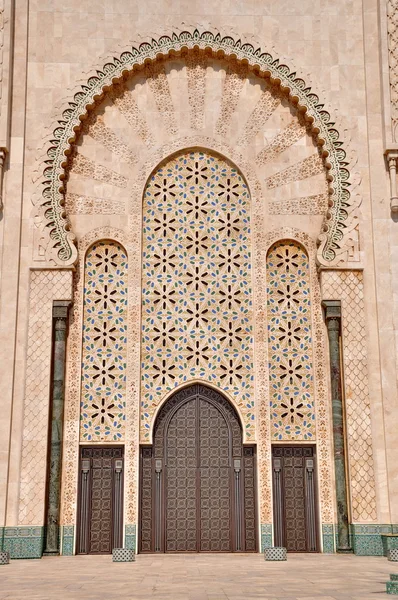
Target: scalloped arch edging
62	249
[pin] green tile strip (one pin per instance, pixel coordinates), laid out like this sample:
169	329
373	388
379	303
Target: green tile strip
328	533
67	536
266	536
367	539
24	542
130	538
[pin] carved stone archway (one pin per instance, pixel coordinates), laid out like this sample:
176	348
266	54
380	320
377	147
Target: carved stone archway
60	248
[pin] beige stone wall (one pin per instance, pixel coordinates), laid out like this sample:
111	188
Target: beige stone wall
209	103
386	238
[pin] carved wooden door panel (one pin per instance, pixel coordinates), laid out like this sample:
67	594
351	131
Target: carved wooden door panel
100	500
197	481
295	523
181	483
215	480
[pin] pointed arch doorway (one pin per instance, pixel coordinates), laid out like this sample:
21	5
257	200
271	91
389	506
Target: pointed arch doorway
197	480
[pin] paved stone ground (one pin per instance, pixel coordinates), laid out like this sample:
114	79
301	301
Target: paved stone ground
197	577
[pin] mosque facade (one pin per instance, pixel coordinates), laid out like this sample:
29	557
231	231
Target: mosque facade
199	276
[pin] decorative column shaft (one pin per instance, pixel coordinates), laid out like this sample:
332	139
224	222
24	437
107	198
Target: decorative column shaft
392	157
333	321
3	153
60	317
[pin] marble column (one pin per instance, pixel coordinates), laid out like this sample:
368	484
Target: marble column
332	310
60	318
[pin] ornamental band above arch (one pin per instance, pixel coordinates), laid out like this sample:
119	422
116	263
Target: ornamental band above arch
62	249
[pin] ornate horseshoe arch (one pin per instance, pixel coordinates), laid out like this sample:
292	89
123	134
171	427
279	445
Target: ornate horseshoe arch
61	249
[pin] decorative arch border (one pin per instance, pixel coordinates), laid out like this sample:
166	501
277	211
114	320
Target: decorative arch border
322	400
188	384
62	250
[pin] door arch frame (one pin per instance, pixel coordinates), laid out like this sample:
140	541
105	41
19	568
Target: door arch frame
243	495
175	409
189	384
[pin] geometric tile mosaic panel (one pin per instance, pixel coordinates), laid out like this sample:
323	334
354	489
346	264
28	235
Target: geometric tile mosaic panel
103	403
290	343
196	287
23	542
67	536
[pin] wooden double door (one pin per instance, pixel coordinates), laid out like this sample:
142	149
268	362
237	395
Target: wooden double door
197	480
100	506
294	492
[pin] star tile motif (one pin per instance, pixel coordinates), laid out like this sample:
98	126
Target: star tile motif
290	343
196	288
102	413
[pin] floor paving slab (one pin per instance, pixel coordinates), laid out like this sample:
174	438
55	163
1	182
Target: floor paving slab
197	577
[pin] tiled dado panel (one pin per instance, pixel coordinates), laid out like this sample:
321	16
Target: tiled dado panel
67	534
27	542
266	536
366	540
23	542
130	537
328	538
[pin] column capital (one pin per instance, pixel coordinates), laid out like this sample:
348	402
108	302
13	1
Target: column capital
61	308
391	153
332	309
392	162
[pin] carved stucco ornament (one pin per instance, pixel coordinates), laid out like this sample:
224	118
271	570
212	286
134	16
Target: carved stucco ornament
60	247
